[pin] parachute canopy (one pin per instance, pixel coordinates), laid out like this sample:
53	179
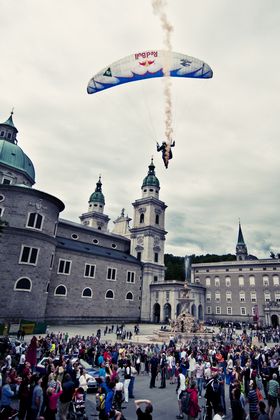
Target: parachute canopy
148	64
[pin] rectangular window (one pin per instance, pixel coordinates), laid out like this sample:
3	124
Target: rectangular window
208	310
167	294
276	280
265	281
229	310
64	266
267	297
35	221
252	281
241	281
218	310
155	279
228	281
89	270
51	263
242	296
253	297
277	297
228	296
217	282
6	181
157	294
139	256
29	255
111	274
208	297
242	311
156	257
207	281
217	296
130	278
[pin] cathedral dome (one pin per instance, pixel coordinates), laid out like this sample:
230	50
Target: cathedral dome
11	155
151	180
97	196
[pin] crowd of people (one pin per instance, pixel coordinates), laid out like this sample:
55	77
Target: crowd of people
237	376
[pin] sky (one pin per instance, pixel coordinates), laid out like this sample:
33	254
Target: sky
226	159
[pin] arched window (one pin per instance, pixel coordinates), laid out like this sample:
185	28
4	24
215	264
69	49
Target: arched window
109	294
129	296
23	284
87	293
142	218
157	219
60	290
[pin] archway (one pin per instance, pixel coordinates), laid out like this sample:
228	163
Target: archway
194	310
178	309
274	321
167	312
156	313
200	313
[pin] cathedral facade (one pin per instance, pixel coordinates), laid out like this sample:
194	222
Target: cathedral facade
56	270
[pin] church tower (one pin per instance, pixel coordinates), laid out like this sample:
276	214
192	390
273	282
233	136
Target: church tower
15	165
241	248
95	216
148	236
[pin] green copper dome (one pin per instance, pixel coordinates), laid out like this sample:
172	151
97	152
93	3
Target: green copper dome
151	179
11	155
97	196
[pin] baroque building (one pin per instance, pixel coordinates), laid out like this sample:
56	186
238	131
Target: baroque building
245	290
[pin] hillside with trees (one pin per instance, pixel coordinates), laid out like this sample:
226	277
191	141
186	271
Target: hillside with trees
176	267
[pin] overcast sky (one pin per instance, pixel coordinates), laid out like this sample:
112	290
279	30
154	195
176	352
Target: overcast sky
226	159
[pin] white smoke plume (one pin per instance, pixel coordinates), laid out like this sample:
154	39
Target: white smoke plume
159	10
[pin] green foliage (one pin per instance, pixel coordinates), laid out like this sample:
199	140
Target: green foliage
176	265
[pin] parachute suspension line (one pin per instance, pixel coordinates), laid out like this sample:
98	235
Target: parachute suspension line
148	110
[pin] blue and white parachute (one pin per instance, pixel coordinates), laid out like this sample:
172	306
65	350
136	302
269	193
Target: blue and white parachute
148	64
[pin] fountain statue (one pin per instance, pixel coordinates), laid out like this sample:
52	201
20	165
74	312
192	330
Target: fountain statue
184	326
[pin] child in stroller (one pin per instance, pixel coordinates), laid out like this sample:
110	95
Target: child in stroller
78	406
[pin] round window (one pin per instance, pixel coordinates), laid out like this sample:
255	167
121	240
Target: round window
114	246
95	241
74	236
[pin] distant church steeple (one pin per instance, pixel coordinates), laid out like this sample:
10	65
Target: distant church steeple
241	248
95	216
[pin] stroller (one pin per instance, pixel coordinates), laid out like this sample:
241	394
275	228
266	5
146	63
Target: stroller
77	410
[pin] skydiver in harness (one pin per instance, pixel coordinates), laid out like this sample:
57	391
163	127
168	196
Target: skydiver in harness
166	152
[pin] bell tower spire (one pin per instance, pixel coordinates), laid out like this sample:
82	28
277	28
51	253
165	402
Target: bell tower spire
241	248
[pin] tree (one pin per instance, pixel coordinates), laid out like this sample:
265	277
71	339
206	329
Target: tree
175	266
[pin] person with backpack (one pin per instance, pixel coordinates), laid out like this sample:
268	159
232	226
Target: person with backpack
181	386
213	395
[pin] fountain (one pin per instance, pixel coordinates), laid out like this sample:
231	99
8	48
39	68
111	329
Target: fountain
184	326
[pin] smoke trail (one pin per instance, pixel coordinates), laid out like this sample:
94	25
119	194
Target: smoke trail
158	9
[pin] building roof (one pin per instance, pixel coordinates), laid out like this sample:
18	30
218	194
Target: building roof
11	155
95	250
97	196
240	240
151	180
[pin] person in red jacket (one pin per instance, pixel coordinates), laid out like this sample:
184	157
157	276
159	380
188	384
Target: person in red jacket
194	408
